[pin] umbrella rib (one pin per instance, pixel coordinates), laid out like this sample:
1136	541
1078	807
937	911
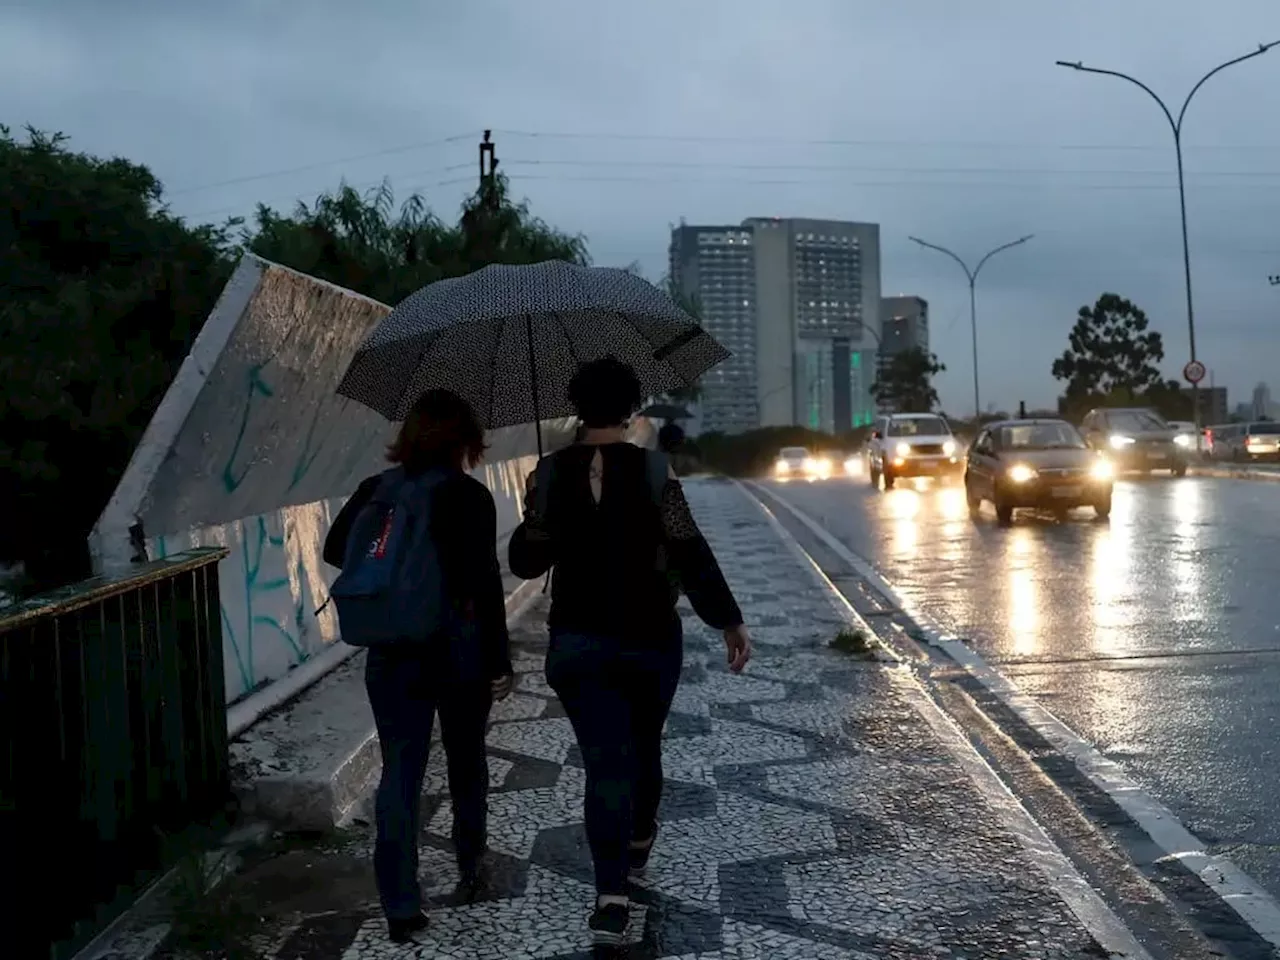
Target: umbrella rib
573	353
493	370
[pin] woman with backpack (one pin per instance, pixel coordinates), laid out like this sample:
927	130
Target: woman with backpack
421	588
611	518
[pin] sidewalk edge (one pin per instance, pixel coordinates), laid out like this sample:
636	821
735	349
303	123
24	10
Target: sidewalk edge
1255	907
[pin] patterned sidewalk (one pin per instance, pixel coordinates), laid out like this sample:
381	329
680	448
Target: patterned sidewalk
809	812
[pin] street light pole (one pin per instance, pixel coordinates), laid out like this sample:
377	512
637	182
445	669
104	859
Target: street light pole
1176	126
972	276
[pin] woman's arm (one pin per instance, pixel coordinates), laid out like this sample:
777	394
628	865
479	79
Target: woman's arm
335	543
689	556
490	598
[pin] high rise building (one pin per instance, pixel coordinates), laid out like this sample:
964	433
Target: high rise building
801	355
714	267
904	325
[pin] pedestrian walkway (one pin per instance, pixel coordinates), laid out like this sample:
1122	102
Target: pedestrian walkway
811	810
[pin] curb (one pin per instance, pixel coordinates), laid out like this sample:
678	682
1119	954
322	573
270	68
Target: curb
1234	473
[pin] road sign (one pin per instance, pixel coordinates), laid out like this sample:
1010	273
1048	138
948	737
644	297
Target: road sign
1193	372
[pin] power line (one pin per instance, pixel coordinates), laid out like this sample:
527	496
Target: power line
281	200
841	167
250	178
885	184
837	142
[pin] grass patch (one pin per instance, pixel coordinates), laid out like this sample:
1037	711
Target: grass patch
853	642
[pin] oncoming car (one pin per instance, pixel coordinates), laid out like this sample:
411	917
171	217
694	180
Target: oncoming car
1136	439
799	463
1041	464
912	445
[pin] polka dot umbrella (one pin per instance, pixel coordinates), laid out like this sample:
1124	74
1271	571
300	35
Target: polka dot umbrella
509	338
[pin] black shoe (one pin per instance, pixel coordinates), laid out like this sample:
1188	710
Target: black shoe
638	858
405	930
472	883
609	924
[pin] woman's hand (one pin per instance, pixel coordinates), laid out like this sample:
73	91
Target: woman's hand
737	642
500	687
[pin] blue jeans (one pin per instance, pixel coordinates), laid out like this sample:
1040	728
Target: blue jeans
617	700
407	687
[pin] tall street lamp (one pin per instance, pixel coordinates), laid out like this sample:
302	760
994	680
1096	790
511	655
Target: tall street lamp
973	302
1176	126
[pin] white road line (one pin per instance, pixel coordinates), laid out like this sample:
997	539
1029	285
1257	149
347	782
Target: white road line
1063	878
1254	905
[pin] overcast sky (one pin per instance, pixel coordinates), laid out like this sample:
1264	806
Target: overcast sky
941	119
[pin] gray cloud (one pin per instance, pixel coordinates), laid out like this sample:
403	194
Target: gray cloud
952	124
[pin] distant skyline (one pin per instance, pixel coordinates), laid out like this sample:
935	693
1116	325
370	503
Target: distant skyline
615	120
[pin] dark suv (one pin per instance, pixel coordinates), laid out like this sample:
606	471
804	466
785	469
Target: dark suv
1135	439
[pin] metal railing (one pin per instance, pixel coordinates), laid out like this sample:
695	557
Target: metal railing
113	744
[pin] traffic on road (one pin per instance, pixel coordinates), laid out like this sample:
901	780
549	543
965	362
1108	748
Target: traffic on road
1148	625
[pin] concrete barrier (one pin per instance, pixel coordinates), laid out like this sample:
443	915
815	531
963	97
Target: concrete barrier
252	450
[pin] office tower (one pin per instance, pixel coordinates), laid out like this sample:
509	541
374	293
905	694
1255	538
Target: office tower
790	297
904	325
714	267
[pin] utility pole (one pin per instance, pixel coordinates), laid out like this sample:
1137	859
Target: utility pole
488	170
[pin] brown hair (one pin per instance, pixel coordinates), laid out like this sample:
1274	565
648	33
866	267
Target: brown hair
441	430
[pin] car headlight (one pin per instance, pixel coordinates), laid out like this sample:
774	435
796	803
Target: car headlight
949	447
1118	442
810	465
1102	470
782	466
903	449
1183	440
1021	473
822	466
853	465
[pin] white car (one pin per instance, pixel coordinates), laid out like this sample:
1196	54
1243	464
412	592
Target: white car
798	463
912	445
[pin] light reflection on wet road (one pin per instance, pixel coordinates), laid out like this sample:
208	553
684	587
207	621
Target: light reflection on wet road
1155	636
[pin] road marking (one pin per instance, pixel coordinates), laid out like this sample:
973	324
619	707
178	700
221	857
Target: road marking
1254	905
1089	908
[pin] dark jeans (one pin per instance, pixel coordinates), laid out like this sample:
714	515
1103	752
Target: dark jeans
406	688
617	700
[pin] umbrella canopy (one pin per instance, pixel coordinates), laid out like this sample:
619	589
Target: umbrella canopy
509	338
666	411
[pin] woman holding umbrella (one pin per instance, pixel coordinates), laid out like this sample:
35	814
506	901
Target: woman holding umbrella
620	554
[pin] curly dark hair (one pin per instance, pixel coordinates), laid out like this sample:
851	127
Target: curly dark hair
605	392
441	430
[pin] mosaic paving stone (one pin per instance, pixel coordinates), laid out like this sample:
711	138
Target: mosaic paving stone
809	813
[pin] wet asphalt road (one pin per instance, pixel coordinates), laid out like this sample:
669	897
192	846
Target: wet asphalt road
1155	636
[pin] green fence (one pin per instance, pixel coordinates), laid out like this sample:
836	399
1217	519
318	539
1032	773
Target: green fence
113	744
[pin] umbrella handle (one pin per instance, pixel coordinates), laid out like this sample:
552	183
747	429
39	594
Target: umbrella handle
533	381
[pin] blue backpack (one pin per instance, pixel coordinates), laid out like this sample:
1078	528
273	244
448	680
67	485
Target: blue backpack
391	587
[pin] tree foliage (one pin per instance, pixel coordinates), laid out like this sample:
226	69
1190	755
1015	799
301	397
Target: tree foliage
364	243
103	290
905	381
1112	353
